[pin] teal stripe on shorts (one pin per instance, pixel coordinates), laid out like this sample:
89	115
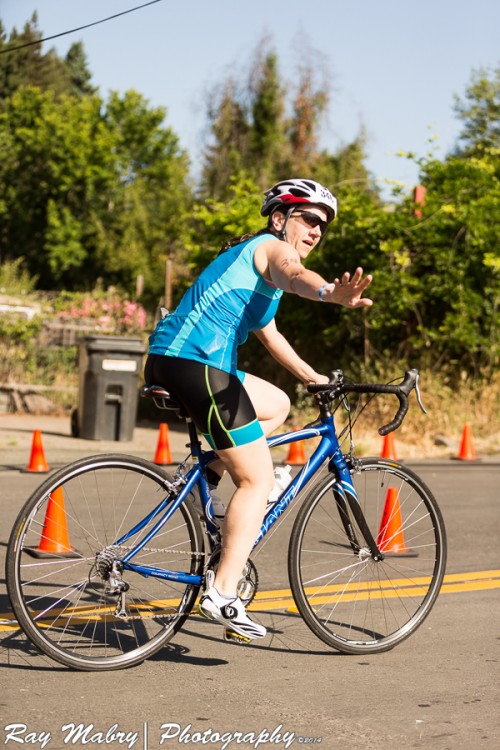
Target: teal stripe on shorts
241	435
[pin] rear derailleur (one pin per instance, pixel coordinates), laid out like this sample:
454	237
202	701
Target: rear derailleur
110	570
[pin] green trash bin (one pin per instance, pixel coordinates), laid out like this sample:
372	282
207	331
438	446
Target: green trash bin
109	369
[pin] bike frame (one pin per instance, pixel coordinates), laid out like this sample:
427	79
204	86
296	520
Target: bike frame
327	449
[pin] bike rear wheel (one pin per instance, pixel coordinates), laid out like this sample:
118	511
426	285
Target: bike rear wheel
62	558
349	600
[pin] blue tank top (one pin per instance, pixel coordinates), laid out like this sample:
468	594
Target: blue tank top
229	299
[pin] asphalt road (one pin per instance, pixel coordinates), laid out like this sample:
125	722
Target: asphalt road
437	690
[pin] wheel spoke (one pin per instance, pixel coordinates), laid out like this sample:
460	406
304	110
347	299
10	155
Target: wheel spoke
73	598
348	599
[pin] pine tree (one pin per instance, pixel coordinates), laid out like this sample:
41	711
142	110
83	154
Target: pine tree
30	66
80	75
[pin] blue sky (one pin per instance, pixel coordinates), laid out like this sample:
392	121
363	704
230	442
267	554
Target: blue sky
394	65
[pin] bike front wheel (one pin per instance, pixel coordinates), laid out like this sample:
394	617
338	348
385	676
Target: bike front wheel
68	588
348	599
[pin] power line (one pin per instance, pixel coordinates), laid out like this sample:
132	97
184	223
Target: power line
72	31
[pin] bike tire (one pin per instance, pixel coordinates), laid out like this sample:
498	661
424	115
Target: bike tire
59	596
351	602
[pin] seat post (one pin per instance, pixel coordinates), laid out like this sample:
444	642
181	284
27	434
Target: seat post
193	434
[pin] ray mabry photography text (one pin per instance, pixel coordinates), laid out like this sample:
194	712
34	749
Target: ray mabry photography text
162	735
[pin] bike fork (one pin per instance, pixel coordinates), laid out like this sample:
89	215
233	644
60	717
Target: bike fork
346	498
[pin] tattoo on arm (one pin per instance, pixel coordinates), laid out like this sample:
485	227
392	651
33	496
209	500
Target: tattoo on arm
294	270
286	262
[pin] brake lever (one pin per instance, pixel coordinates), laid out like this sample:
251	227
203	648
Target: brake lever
419	397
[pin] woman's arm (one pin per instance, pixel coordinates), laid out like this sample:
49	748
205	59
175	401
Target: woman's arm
286	271
285	354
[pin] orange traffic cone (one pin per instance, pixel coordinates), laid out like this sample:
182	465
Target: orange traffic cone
163	455
389	447
390	538
55	538
467	451
37	458
296	453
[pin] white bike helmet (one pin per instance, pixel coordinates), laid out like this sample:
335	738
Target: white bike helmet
289	193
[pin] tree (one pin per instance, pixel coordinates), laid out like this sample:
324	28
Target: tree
247	127
29	66
308	107
258	130
436	279
227	155
267	127
91	189
460	260
213	222
79	73
480	112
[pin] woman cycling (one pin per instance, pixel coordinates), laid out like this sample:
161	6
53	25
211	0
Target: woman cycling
193	353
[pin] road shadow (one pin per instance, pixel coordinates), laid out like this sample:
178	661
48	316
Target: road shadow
286	633
17	652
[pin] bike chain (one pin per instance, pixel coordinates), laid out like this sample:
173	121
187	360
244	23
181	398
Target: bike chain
167	549
157	550
161	550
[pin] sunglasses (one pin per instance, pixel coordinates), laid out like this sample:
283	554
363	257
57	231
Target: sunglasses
312	220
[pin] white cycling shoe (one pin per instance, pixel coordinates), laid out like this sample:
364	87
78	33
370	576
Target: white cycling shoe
229	612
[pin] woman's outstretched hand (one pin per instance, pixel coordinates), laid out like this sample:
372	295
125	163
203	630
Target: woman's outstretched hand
348	291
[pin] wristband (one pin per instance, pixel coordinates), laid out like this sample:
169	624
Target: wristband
321	290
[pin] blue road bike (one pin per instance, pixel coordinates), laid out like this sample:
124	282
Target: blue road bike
107	557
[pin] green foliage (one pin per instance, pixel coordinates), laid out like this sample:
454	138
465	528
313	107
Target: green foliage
267	127
22	362
14	330
436	281
18	356
91	190
436	278
459	259
216	221
14	278
436	284
63	240
80	75
480	112
29	66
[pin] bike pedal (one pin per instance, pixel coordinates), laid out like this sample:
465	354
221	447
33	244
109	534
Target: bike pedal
232	637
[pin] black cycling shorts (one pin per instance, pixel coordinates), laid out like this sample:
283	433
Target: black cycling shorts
216	401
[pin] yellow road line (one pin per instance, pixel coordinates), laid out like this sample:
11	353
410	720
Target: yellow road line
399	587
400	593
389	583
483	580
